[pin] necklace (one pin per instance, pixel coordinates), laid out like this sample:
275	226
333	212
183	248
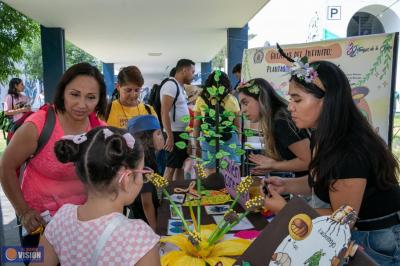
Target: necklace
123	110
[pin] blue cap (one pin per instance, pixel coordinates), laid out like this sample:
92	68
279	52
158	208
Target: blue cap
143	123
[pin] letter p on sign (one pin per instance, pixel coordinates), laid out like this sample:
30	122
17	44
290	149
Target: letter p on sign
334	13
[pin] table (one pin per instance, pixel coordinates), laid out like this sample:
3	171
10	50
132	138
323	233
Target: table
258	221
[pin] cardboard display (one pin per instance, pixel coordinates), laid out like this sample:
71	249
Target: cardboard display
268	246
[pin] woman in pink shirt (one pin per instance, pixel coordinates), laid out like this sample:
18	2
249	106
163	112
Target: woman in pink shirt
16	103
48	184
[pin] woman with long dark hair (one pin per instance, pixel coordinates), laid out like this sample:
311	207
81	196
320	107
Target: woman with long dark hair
287	148
351	164
16	103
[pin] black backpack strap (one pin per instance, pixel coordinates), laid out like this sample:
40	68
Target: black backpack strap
47	129
178	91
148	109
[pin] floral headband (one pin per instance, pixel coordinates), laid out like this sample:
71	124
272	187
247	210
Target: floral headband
250	87
302	69
78	139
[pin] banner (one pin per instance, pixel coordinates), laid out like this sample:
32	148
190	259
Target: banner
368	61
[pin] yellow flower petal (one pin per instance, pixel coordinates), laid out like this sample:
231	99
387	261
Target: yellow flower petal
225	261
181	241
206	230
232	247
189	261
170	257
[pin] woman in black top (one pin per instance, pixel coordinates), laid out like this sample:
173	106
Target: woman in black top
287	148
351	164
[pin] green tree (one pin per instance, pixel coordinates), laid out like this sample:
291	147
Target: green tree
15	30
33	63
218	62
74	55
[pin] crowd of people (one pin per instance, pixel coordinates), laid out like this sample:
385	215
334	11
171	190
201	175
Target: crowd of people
91	173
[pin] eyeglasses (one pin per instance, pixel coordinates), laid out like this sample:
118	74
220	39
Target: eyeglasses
145	171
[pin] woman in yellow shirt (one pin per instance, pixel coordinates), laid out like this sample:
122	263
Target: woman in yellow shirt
127	105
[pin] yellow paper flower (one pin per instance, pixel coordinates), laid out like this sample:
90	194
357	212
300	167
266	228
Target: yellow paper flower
189	255
158	181
200	170
245	184
255	203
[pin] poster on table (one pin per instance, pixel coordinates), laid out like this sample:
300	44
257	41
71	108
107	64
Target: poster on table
299	236
368	61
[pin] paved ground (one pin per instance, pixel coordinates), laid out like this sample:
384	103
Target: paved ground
9	222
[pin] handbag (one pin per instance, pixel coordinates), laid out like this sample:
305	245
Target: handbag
6	121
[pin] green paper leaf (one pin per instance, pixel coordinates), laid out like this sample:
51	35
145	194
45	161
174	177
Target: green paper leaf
233	146
185	119
223	164
239	151
201	138
212	90
209	155
181	145
204	126
219	155
212	113
184	136
221	90
217	75
227	123
226	154
212	143
198	117
248	132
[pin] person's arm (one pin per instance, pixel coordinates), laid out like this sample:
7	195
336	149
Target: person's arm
346	192
22	145
296	186
148	209
50	256
303	157
9	108
166	105
152	258
17	111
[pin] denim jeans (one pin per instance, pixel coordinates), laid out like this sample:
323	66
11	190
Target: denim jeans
205	148
381	245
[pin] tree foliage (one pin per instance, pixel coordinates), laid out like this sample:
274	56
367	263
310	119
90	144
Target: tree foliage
74	55
15	30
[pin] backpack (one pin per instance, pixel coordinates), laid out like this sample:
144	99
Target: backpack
155	101
227	130
115	95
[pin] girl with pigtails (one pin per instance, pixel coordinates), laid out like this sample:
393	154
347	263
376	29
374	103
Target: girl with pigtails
110	164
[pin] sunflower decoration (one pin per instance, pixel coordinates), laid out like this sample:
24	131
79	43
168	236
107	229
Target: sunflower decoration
205	253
